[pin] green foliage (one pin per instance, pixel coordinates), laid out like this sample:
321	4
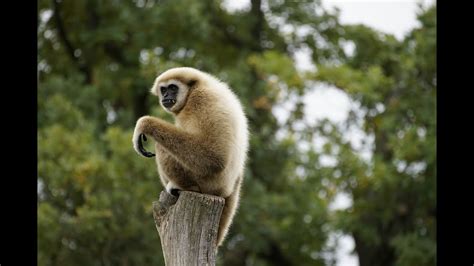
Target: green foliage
393	217
97	61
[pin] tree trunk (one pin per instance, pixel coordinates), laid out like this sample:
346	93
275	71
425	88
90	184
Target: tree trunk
188	227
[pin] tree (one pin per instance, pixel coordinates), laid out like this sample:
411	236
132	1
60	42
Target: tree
393	217
97	61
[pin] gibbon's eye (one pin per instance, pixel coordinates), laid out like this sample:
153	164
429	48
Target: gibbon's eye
163	90
173	87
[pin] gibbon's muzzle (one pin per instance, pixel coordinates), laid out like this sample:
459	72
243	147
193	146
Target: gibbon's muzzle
141	149
168	102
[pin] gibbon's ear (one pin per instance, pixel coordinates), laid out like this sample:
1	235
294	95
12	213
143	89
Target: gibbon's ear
191	83
154	89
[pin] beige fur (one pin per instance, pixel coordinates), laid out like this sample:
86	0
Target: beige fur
205	150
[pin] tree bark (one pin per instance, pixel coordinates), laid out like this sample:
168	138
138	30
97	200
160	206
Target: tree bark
188	227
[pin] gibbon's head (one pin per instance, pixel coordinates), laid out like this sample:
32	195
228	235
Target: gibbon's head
173	87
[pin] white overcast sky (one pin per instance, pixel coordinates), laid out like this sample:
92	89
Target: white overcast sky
394	17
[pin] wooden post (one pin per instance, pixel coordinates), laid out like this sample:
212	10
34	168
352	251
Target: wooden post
188	227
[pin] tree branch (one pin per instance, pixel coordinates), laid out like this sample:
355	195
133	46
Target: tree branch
257	26
222	26
67	43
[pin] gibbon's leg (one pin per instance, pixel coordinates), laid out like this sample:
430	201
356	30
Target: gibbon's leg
192	152
231	204
173	175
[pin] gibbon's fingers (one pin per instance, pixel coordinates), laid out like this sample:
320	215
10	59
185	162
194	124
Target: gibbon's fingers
141	149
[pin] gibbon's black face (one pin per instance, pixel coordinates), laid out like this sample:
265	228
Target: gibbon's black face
169	95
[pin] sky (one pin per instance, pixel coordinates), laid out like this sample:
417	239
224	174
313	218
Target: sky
393	17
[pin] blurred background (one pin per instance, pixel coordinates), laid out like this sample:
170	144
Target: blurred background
341	101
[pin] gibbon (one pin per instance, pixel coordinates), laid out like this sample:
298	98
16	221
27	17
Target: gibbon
206	149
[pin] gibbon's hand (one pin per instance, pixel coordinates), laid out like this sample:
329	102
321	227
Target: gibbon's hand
138	136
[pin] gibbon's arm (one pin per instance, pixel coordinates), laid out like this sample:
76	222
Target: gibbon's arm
161	153
163	157
188	149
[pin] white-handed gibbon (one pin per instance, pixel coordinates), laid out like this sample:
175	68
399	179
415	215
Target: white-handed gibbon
205	150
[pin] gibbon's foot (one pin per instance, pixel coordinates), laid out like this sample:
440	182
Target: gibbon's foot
175	192
172	189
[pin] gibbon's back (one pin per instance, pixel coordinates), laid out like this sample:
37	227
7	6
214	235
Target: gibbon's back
230	105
